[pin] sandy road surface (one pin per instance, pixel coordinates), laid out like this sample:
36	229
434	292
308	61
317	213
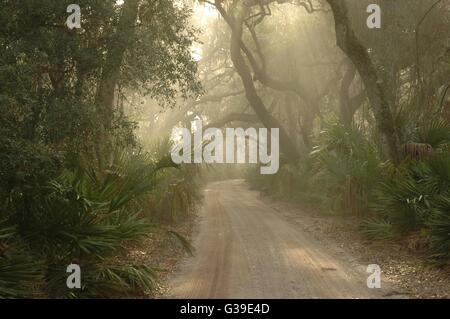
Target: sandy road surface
244	249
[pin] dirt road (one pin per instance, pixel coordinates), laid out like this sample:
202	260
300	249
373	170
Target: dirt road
245	249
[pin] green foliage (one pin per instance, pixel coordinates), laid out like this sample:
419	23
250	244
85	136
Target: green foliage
401	200
435	132
20	273
416	127
416	198
397	200
346	164
183	242
378	229
177	192
104	280
66	194
439	234
91	218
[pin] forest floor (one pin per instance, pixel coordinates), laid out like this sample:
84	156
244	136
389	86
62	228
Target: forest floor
251	247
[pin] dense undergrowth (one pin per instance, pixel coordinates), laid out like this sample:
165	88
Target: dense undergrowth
347	175
91	218
76	187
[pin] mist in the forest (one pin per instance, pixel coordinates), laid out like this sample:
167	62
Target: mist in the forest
128	124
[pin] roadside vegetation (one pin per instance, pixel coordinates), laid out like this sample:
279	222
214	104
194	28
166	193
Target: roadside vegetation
77	185
373	143
346	175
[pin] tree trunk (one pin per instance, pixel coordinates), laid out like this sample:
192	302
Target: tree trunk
352	47
114	59
111	75
344	95
286	144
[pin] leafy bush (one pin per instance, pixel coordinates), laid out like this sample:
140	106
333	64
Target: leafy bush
345	172
86	217
439	234
177	189
378	229
20	273
417	198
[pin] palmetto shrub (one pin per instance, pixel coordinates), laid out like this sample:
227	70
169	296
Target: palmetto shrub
90	218
346	164
346	172
342	166
439	224
86	217
20	272
177	189
412	198
416	198
378	229
435	132
401	200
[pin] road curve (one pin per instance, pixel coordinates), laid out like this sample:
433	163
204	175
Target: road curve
244	249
